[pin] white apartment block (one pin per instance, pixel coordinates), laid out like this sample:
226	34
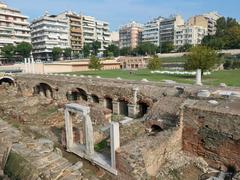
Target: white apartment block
102	34
168	26
114	38
151	31
212	18
189	35
47	32
95	30
14	27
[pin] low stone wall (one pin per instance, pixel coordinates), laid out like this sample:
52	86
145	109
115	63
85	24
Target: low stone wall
143	157
212	134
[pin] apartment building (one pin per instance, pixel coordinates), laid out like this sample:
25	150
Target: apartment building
75	30
189	35
207	20
114	38
14	27
47	32
168	26
130	35
151	31
102	34
95	30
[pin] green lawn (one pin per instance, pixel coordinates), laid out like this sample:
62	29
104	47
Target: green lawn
230	77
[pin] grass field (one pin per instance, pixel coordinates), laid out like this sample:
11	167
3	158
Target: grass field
229	77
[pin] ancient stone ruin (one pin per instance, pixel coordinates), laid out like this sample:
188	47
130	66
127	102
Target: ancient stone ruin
64	127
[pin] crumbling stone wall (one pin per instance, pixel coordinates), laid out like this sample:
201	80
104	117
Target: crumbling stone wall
212	134
143	157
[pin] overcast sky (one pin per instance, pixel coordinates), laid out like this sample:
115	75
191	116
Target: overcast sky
119	12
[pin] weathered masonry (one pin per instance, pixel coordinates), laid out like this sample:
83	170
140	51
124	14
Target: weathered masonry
122	97
167	119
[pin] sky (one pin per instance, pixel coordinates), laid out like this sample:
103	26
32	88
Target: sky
120	12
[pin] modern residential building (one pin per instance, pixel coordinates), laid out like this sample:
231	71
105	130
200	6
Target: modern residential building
151	31
114	38
95	30
189	35
47	32
75	30
168	26
130	35
14	27
102	34
207	20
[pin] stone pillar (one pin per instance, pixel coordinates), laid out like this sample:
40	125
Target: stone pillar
115	142
89	98
33	66
116	109
29	65
88	128
199	77
69	129
25	65
48	93
132	110
102	102
135	92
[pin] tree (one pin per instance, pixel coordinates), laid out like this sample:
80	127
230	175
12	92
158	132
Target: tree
95	63
24	49
146	48
95	46
125	51
227	35
185	48
67	53
86	50
56	53
8	51
166	47
112	50
154	63
201	57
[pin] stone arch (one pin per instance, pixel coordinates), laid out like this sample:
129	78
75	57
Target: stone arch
123	106
108	102
7	79
156	128
143	108
95	98
82	94
77	94
44	89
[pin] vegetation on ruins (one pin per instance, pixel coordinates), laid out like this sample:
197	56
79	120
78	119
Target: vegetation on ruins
201	57
67	53
154	63
8	52
95	63
56	53
24	49
227	35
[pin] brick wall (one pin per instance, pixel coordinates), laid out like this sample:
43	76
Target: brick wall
213	135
